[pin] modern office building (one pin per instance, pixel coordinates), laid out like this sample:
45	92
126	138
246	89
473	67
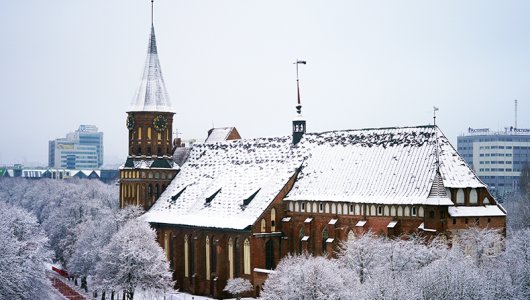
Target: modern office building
497	157
81	149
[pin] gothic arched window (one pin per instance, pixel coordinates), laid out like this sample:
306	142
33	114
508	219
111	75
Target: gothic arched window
246	257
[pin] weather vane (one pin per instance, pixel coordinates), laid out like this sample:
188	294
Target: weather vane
299	105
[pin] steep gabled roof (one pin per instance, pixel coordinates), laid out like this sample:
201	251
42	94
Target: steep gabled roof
221	134
152	94
216	179
387	166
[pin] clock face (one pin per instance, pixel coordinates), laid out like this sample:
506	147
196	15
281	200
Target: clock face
160	123
130	122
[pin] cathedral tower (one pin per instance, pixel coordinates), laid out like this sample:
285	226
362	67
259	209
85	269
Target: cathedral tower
149	167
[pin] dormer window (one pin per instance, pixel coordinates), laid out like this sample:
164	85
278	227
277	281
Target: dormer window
250	198
210	199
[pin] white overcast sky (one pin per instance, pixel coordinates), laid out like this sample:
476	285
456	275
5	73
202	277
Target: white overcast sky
229	63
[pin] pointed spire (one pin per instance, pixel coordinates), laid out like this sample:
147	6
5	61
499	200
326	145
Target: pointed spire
152	94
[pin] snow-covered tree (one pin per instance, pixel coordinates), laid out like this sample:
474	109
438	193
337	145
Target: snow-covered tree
133	259
23	253
238	286
307	277
363	255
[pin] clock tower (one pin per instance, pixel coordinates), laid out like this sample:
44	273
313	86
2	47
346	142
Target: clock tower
149	167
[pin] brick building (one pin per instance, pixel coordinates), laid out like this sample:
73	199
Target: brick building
233	207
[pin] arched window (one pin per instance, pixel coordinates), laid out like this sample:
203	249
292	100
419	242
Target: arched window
333	208
339	209
413	210
273	220
386	211
230	258
486	201
290	206
345	208
460	196
325	236
400	211
263	225
326	210
246	257
420	212
393	211
372	210
320	207
357	209
406	211
186	256
207	252
308	207
297	207
150	190
315	207
473	196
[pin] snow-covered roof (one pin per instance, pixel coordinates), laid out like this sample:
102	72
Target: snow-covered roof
386	166
218	134
476	211
152	94
360	223
392	224
149	163
228	184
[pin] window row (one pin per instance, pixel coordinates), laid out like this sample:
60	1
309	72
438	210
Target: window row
143	174
210	252
357	209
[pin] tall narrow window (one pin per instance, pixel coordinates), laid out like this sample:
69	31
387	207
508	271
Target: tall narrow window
230	258
263	225
351	235
300	244
273	220
246	257
139	134
237	258
148	133
207	252
186	256
473	196
192	256
166	244
325	236
214	256
269	255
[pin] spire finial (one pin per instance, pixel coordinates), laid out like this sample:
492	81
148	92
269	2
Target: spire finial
435	109
299	104
152	4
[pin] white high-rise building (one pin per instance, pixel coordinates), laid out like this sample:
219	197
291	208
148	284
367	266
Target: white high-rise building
497	157
81	149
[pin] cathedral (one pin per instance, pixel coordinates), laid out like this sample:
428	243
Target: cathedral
233	207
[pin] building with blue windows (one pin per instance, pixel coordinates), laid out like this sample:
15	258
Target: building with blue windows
497	157
81	149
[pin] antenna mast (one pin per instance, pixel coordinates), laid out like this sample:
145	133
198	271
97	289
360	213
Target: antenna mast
515	113
436	137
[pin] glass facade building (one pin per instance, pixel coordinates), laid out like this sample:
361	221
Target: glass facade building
496	157
81	149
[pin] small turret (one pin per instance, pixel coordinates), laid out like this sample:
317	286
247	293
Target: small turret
299	123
